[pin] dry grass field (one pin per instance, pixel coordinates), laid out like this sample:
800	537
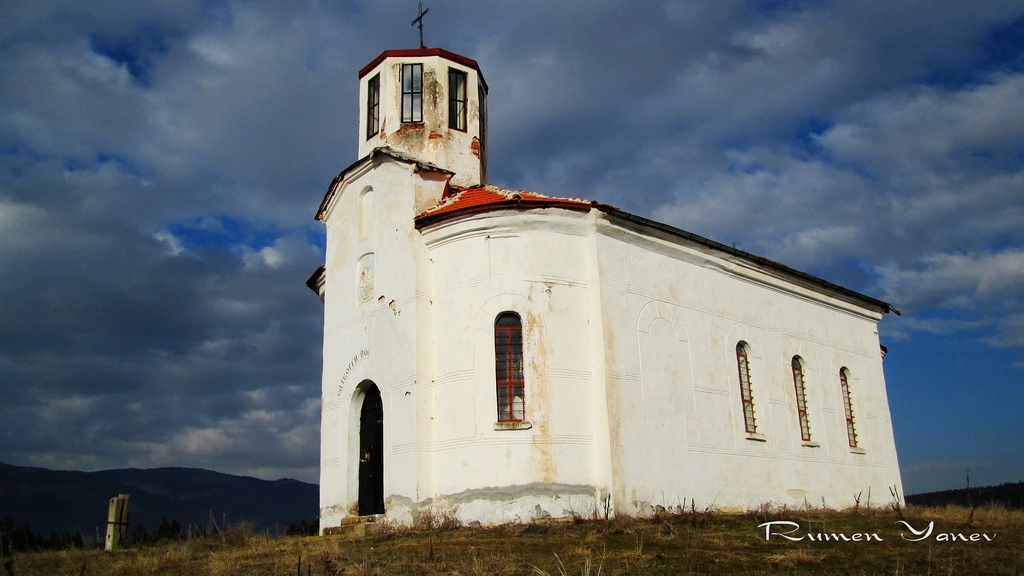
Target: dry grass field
684	542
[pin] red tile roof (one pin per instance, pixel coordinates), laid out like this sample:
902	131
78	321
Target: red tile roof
423	52
458	201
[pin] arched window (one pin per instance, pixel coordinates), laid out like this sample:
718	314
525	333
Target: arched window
844	383
508	362
801	399
748	398
365	213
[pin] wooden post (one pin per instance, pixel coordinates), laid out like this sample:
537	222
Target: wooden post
117	522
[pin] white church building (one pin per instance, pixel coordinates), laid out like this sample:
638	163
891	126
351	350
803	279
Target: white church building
501	355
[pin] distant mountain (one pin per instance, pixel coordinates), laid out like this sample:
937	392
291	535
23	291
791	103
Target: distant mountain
1008	495
61	500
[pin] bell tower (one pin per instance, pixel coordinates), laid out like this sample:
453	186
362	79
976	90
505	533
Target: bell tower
430	103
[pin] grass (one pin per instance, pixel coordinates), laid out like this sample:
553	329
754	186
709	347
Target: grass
684	542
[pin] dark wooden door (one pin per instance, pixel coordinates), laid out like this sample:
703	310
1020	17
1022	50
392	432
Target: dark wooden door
371	454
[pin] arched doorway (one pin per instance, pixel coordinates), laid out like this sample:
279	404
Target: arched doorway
371	453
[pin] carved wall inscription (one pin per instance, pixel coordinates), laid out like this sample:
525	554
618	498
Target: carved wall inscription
348	369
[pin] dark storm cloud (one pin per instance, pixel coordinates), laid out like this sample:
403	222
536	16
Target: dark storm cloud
160	164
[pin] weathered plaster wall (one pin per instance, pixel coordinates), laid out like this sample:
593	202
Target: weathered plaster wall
533	263
375	338
432	139
631	380
673	314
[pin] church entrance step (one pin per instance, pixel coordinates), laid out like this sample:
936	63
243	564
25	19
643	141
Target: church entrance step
356	526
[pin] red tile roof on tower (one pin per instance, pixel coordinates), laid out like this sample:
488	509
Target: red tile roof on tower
423	52
458	201
418	52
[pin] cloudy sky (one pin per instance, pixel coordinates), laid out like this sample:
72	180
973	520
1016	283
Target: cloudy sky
161	162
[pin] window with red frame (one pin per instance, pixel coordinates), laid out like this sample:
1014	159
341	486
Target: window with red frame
745	393
508	363
801	399
844	383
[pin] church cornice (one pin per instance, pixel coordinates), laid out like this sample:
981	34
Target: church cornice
316	281
459	202
785	271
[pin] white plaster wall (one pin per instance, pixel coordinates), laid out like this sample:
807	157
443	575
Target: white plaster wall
533	263
631	379
376	340
673	314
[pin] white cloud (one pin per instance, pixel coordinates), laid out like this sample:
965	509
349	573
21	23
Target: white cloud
1011	333
955	280
203	441
269	257
173	244
214	50
690	113
923	125
941	325
22	226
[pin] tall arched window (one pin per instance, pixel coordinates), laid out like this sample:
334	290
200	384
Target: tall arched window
801	399
742	355
508	361
844	383
365	213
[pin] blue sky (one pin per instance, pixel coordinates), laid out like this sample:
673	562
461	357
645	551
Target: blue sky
161	162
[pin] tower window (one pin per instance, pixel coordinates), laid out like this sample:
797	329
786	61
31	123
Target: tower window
373	107
412	93
844	383
801	399
745	393
508	360
482	106
456	99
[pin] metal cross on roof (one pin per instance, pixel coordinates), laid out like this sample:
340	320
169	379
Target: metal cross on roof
419	20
